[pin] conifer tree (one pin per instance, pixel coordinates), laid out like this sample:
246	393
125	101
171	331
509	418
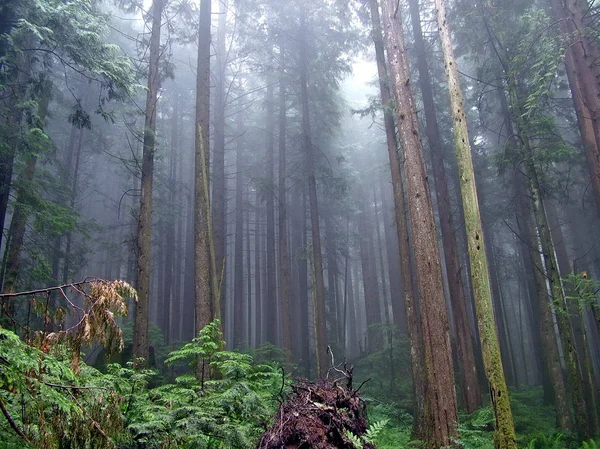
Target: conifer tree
144	230
505	432
440	409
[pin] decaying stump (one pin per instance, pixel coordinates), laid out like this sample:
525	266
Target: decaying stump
318	416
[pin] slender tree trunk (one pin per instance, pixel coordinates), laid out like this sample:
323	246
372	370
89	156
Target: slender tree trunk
581	59
284	263
575	315
471	393
16	232
321	327
410	309
13	116
238	262
248	324
206	281
550	265
390	236
180	251
219	193
271	293
368	264
330	253
144	231
441	413
480	280
258	300
170	240
188	319
74	182
384	283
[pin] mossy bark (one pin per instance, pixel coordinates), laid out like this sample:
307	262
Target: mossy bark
550	266
440	408
470	389
505	432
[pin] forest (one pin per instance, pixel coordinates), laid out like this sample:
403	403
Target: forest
299	223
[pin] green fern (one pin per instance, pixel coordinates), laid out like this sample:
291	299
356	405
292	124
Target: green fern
370	435
591	444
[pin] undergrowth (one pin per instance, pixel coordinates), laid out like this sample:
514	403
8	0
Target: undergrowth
52	406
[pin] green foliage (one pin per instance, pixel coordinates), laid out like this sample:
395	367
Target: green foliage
582	290
52	405
58	408
225	411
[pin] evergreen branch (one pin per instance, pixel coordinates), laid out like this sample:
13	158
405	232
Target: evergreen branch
12	422
73	285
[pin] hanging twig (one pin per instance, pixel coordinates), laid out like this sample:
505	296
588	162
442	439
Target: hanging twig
12	422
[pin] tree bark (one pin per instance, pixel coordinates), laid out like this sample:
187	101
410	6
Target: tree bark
258	299
583	74
402	229
441	413
238	262
206	283
321	327
480	280
471	394
271	293
144	230
284	263
219	193
368	264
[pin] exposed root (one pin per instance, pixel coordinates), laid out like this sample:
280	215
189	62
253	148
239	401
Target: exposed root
318	416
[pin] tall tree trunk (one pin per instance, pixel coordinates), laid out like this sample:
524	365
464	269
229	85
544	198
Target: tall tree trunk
390	236
170	224
16	232
384	283
410	309
238	262
331	257
206	282
284	263
471	394
180	251
271	293
74	182
581	59
219	193
248	324
550	263
368	264
321	327
576	318
13	115
258	299
441	413
480	279
144	231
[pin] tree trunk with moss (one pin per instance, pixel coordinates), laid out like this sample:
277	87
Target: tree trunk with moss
550	265
480	278
410	309
441	413
471	393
